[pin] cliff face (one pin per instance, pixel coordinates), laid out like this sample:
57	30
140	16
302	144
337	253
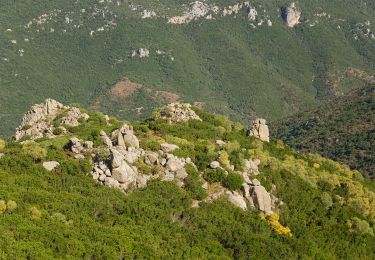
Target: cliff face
183	173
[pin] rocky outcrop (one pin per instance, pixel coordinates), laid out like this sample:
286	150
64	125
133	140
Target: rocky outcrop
261	198
291	15
198	9
128	136
75	145
118	170
259	129
141	53
251	166
236	199
177	113
38	121
73	116
105	139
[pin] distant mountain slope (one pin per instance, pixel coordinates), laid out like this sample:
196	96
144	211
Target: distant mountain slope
236	58
343	130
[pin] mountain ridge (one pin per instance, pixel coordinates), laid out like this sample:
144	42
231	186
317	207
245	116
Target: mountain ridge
193	183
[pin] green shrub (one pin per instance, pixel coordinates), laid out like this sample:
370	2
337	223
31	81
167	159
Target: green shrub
143	167
326	200
2	145
214	175
233	181
191	170
3	206
57	131
150	144
223	158
11	205
35	213
34	150
194	186
360	226
232	146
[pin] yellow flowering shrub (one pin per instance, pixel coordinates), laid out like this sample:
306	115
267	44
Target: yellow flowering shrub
2	145
273	220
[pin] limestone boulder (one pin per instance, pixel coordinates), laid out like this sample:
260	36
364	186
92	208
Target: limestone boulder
75	145
73	117
291	15
51	165
168	148
262	199
105	139
173	164
214	165
259	129
236	199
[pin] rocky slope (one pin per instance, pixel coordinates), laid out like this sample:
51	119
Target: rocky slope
233	57
343	130
185	174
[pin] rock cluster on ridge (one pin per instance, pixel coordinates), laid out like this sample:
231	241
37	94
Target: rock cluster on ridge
37	122
259	129
120	162
291	15
177	113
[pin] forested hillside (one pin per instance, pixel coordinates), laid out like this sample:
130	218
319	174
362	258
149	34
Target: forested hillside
343	130
54	202
241	59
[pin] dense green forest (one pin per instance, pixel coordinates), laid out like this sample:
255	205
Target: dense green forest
64	213
76	51
343	130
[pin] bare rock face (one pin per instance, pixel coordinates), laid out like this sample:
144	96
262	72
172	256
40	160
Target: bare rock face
121	171
34	121
128	136
105	139
236	199
261	197
198	9
174	164
73	116
75	145
141	53
37	122
259	129
291	15
177	113
252	166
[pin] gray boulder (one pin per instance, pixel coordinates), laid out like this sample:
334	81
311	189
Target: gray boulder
214	164
236	199
262	199
50	166
174	165
132	140
259	129
105	139
168	148
291	15
151	158
75	145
